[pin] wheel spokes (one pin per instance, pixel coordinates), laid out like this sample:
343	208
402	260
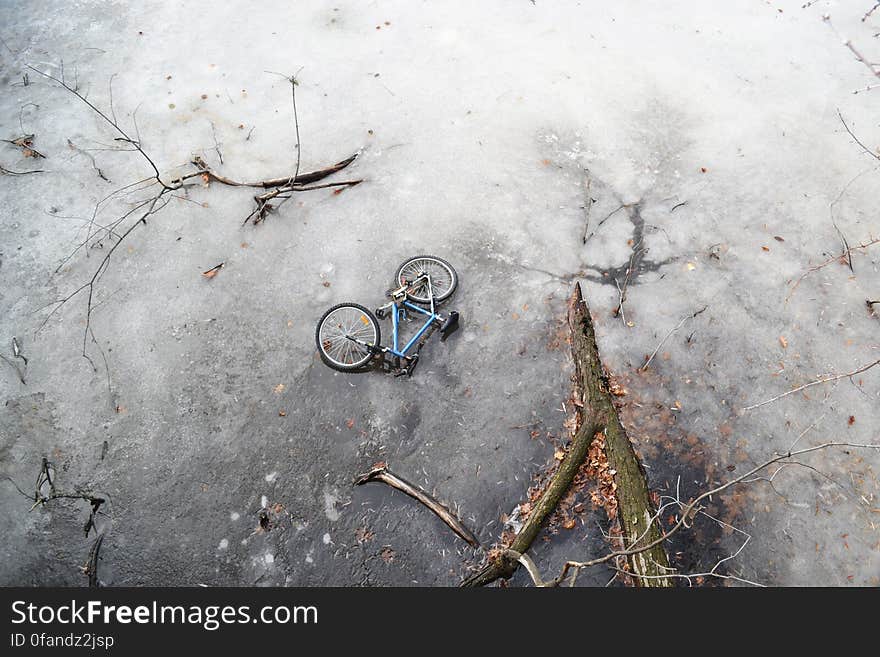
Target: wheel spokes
340	332
441	280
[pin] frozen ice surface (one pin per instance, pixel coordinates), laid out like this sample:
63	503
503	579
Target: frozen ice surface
477	123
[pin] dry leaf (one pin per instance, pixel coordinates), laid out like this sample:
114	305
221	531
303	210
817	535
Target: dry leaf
783	342
617	390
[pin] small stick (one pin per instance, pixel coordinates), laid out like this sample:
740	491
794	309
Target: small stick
607	217
91	157
674	329
26	144
18	173
212	272
622	290
91	568
216	143
16	350
676	206
847	253
851	134
15	367
588	205
826	379
846	248
380	472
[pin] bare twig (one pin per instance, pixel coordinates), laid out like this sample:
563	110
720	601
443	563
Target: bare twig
145	208
90	157
827	379
694	507
10	172
618	311
606	218
106	118
16	350
588	204
26	144
380	472
829	261
16	368
666	337
856	139
216	143
45	492
846	249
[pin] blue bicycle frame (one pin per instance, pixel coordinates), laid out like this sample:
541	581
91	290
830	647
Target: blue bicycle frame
399	312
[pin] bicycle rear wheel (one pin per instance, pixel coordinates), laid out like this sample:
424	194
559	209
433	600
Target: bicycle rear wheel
341	333
444	280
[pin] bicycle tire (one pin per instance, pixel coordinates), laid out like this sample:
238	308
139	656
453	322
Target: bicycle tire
446	277
347	356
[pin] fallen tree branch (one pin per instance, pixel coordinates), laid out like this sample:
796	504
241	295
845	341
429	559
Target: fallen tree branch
598	416
818	381
691	509
160	195
380	472
300	179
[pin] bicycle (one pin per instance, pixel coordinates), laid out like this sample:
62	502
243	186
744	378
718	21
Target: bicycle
348	334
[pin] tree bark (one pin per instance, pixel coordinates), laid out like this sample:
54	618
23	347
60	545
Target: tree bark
635	509
598	414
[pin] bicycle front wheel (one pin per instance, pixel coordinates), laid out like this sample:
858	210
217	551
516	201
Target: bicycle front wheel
345	335
444	280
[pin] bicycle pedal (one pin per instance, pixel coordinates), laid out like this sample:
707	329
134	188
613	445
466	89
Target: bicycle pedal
450	325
